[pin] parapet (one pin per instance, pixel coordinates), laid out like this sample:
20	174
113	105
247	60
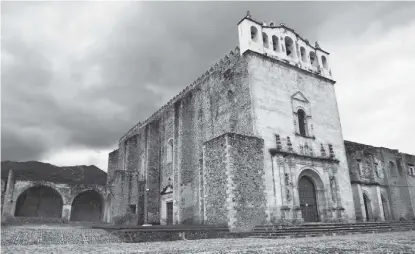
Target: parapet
283	43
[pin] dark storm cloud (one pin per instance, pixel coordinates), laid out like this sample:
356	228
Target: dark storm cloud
153	51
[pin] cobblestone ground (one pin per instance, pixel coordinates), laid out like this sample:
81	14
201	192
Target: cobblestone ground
399	242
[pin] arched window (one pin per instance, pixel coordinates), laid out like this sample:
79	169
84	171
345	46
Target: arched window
302	122
392	169
289	47
360	167
254	33
324	62
170	151
265	40
275	43
313	59
303	55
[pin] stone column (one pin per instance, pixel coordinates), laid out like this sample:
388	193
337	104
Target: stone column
330	197
66	212
8	198
380	205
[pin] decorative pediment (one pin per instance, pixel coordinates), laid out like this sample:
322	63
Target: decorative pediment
300	97
167	190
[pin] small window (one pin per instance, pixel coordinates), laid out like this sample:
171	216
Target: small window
169	153
411	171
324	62
302	122
132	208
265	40
360	167
392	169
275	43
289	47
303	55
254	33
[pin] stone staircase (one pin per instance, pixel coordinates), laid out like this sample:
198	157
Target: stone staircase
331	229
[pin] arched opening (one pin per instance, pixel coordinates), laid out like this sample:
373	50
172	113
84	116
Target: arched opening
275	43
302	122
39	201
313	59
87	206
289	47
385	208
368	209
265	40
303	55
308	199
392	169
254	33
324	62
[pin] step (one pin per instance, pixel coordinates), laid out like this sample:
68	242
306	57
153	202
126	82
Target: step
330	229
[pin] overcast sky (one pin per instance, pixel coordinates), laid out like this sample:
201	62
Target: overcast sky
77	75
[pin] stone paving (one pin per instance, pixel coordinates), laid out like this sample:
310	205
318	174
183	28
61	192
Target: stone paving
398	242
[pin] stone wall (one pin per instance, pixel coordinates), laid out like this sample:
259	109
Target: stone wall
216	103
233	182
124	192
371	174
246	199
113	163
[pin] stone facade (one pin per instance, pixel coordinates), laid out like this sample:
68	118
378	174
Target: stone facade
256	139
382	182
26	198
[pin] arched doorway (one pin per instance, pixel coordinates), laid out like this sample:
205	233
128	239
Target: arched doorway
39	201
308	199
87	206
368	210
385	208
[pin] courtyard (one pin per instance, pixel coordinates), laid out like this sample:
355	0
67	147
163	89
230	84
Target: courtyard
397	242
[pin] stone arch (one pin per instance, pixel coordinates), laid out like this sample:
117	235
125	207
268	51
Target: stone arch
313	59
303	54
39	201
385	207
275	43
88	205
367	205
309	175
324	62
289	47
254	33
265	40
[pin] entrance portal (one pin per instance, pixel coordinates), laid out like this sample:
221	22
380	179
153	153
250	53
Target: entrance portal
367	207
308	200
169	208
87	206
39	201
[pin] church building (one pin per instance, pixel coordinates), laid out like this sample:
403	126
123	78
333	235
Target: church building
256	140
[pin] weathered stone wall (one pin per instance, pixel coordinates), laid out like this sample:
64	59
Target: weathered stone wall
374	178
234	191
124	192
246	190
278	91
216	103
215	181
409	161
113	164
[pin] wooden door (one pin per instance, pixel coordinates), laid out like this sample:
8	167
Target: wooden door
169	207
308	200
